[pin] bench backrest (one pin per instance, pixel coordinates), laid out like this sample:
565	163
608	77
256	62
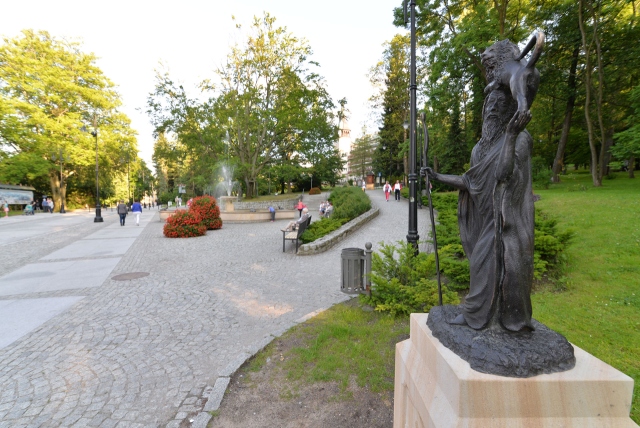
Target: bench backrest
303	226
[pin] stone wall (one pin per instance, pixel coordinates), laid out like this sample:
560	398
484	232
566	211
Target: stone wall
286	204
328	241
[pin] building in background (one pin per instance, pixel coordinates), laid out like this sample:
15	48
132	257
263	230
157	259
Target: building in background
344	145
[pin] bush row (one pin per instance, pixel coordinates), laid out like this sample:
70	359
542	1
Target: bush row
550	242
402	283
348	203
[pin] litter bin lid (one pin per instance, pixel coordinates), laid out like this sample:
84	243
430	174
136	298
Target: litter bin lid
353	251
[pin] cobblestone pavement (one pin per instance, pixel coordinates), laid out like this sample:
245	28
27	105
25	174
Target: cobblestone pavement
140	353
27	238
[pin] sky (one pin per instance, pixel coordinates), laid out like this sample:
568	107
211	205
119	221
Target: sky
191	38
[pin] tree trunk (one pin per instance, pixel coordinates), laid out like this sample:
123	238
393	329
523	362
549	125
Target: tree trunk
587	90
632	164
603	159
58	193
558	163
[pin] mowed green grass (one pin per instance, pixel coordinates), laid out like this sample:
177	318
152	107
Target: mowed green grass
600	309
342	344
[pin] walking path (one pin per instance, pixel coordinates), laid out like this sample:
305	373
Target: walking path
83	349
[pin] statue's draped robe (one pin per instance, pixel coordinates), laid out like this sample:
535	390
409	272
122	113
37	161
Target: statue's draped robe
496	220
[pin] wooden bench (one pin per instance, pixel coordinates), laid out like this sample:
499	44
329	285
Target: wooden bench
294	235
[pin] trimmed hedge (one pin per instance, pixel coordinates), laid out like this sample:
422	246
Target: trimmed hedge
315	191
348	203
550	242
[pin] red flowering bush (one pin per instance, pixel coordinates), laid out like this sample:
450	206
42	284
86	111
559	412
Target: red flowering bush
208	210
184	224
315	191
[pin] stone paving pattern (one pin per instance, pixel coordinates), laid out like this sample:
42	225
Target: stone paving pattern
145	352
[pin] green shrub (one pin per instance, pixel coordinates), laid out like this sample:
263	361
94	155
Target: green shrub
550	242
315	191
455	266
349	202
540	173
321	228
400	281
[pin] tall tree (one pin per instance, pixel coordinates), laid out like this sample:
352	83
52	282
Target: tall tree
361	156
269	94
390	77
199	138
49	89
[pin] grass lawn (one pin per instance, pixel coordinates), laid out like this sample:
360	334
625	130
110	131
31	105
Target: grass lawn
343	343
600	310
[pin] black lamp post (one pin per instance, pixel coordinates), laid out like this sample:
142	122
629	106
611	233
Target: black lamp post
412	235
61	158
94	133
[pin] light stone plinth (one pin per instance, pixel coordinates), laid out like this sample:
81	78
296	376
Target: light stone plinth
436	388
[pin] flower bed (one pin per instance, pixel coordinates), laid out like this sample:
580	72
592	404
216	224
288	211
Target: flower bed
203	215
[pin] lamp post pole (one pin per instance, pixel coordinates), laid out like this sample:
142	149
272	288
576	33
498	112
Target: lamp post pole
98	218
412	235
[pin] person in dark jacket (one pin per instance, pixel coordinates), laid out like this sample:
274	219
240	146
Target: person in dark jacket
122	212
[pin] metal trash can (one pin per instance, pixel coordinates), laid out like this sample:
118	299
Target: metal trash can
352	270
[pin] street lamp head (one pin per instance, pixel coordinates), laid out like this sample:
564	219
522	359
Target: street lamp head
405	125
94	133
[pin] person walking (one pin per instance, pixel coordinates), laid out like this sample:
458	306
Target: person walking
136	209
300	206
387	190
5	208
272	211
122	211
52	205
396	189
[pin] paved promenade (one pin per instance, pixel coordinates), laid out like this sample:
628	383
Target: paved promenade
80	348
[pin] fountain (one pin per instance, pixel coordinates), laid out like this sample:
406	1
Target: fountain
232	210
225	187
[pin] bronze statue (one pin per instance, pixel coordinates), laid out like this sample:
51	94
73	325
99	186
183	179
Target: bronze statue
495	206
493	329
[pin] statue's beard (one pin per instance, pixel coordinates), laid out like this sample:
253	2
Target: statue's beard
492	130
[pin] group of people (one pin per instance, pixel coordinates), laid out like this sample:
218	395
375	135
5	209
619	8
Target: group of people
326	208
48	205
396	190
123	210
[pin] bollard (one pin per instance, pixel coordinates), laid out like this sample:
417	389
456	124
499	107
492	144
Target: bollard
367	268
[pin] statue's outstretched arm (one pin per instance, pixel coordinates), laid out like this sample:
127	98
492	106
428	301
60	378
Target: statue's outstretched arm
455	181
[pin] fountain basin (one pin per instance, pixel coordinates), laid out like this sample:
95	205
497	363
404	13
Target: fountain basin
165	214
247	216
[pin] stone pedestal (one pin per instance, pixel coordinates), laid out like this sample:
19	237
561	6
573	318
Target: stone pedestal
436	388
226	203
